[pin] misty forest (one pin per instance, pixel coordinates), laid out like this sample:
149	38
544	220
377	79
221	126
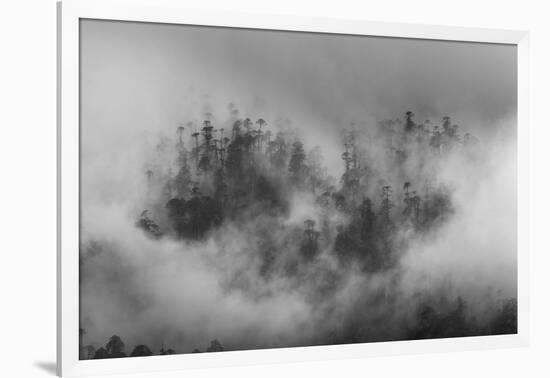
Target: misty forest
242	232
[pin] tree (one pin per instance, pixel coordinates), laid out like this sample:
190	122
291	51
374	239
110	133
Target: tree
180	135
416	207
235	157
267	137
87	352
435	140
267	192
215	346
278	151
220	187
437	205
310	230
352	173
115	347
196	149
346	156
261	122
446	124
205	162
506	321
101	353
455	322
406	187
164	352
296	165
183	181
247	123
454	133
427	322
192	219
148	225
409	123
386	205
141	351
412	202
309	247
367	218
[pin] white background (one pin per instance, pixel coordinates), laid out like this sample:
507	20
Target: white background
28	168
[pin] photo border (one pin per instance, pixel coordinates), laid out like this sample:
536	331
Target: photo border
170	11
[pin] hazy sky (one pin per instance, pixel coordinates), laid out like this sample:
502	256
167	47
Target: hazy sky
144	79
152	76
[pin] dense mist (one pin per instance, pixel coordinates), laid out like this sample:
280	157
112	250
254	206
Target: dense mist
256	189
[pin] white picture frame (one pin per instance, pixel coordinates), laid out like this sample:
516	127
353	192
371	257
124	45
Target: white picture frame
69	14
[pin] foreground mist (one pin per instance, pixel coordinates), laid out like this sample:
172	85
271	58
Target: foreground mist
235	236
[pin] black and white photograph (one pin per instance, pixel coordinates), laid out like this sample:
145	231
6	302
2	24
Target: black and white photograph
245	189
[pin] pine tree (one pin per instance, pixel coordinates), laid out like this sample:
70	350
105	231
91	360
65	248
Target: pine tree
409	123
296	166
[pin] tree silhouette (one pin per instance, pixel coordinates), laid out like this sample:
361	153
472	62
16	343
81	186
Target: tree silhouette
180	135
506	321
141	351
310	246
215	346
148	225
367	219
296	165
168	351
406	187
114	347
409	123
386	205
250	178
101	353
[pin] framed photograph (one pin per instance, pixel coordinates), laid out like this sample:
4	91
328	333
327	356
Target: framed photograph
238	189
